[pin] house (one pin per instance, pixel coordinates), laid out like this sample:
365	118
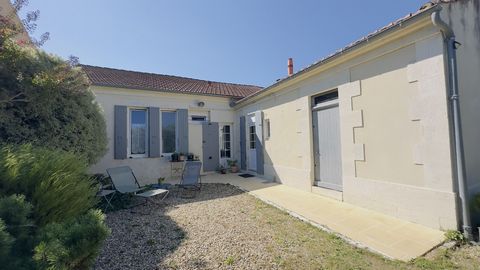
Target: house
376	124
8	12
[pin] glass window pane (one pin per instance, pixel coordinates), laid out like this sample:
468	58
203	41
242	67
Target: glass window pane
138	134
169	132
226	129
226	137
227	154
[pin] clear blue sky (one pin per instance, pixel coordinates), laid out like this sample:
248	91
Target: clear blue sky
242	41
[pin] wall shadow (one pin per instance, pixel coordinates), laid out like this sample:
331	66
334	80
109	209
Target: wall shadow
143	236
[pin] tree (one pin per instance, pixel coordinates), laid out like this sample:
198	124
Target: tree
44	100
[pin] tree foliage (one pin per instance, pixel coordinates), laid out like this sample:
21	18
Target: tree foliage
54	181
46	101
47	220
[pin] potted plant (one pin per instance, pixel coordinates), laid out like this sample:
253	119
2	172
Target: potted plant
232	163
174	157
181	156
190	157
160	180
222	169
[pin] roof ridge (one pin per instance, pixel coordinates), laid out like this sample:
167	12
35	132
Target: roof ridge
175	76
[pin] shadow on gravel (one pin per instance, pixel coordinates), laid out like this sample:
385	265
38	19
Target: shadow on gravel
143	236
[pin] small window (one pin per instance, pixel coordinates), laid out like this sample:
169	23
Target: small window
226	142
267	128
169	134
325	97
199	118
138	132
252	137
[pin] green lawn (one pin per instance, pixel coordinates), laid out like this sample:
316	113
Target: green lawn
299	245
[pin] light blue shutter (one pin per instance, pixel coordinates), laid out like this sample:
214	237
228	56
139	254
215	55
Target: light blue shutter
154	132
243	145
259	140
182	129
120	132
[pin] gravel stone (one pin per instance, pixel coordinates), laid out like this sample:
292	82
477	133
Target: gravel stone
217	229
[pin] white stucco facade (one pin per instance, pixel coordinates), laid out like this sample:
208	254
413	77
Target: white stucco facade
395	136
148	170
397	155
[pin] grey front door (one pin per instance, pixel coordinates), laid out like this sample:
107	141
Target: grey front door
328	159
210	147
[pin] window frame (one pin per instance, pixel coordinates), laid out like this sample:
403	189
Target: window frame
267	130
161	132
129	132
250	141
223	142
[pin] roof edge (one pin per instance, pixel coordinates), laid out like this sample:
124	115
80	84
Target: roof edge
168	91
401	23
176	76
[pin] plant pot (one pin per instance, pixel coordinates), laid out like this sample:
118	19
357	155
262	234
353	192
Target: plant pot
181	158
223	171
234	169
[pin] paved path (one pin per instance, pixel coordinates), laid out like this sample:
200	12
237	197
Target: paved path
383	234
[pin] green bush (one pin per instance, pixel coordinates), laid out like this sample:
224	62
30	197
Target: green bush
71	245
17	232
47	102
46	215
54	181
6	241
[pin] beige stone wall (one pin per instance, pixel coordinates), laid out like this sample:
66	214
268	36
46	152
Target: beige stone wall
149	169
394	127
388	134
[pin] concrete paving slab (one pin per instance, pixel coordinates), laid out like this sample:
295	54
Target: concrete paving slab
391	237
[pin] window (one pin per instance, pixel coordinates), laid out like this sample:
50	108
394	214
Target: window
267	129
138	132
325	97
251	133
199	118
226	142
169	134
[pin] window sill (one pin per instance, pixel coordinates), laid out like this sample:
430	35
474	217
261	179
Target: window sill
137	157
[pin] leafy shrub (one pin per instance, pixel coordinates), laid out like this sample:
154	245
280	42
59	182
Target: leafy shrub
54	181
6	241
16	232
46	101
455	236
72	245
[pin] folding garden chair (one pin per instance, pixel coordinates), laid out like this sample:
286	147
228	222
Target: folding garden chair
191	179
124	181
105	192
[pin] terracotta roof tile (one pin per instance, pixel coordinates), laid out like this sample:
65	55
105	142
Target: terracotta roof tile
110	77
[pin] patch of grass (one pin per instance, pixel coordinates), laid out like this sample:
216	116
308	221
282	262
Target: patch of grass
300	245
230	260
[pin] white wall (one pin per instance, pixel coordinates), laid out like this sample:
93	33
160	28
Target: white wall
464	18
149	169
408	174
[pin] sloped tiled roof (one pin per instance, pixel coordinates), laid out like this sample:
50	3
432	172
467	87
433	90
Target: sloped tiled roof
118	78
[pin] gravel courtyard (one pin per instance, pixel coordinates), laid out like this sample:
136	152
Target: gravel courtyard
225	228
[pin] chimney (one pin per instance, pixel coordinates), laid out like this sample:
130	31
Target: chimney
290	66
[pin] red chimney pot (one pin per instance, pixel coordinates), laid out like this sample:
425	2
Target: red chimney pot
290	66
